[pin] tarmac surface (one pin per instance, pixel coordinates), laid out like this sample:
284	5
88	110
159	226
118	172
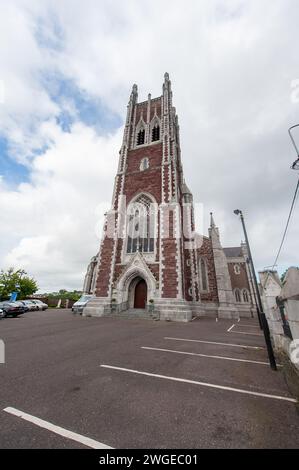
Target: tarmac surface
75	382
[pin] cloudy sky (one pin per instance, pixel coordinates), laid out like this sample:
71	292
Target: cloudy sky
66	71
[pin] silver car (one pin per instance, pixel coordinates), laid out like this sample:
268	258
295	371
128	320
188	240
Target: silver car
30	305
40	305
81	303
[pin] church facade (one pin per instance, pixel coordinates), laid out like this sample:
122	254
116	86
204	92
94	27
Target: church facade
151	259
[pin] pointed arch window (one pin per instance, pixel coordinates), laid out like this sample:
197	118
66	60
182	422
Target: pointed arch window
237	295
155	129
141	225
156	132
141	136
245	295
203	275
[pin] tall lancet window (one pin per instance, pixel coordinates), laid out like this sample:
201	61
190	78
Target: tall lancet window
245	295
237	295
141	225
156	133
155	129
203	274
141	137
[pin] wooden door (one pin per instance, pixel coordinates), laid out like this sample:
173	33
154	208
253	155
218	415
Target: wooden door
140	294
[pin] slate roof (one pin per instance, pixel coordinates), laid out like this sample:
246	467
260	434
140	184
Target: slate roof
185	189
233	252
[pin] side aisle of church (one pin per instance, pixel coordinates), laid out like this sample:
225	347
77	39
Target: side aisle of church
150	257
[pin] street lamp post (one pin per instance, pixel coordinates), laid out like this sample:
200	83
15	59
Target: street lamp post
295	165
261	315
253	290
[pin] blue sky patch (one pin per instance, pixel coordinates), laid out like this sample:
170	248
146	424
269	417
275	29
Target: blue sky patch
49	32
77	105
12	172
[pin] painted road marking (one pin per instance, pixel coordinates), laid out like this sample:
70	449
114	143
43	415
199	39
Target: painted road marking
206	355
203	384
214	342
57	429
246	333
250	326
231	327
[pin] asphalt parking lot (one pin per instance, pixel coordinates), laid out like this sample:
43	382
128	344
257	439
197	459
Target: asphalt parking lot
75	382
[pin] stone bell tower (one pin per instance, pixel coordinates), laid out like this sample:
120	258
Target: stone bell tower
147	255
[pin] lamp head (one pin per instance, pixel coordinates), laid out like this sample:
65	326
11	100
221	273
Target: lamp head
237	211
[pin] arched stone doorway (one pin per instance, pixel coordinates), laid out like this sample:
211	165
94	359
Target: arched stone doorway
135	271
137	293
140	295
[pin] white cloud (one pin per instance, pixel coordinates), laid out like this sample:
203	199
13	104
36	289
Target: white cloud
232	65
53	220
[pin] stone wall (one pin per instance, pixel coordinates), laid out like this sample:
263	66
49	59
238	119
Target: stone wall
278	301
104	268
206	250
292	313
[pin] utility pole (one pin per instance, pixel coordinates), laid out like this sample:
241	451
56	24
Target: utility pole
253	289
261	315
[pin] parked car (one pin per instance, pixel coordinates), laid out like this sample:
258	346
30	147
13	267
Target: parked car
2	314
21	302
41	305
31	306
11	308
81	303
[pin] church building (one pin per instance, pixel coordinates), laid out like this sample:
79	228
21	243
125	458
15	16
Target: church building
151	261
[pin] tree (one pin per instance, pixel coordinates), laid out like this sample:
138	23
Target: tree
16	281
65	294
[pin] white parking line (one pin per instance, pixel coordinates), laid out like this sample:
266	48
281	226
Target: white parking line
57	429
250	326
205	355
231	327
203	384
214	342
246	333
